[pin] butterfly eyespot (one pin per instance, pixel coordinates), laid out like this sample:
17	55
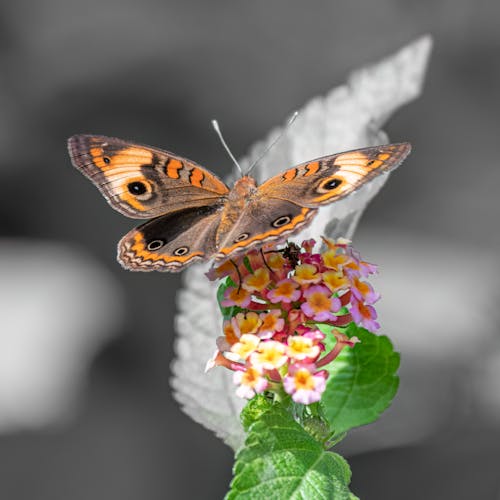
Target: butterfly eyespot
332	184
281	221
106	160
137	188
181	251
155	244
241	237
371	162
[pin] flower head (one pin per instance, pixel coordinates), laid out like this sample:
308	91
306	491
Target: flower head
272	341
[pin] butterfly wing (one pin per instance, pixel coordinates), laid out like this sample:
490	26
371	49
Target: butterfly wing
171	242
286	203
143	182
328	179
262	221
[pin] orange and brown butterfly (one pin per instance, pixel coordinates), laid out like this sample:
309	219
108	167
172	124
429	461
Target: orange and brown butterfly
195	216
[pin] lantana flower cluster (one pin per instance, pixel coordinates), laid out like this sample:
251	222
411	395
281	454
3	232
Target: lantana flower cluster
278	298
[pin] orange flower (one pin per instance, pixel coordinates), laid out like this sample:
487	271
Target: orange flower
306	274
257	281
334	260
335	280
246	322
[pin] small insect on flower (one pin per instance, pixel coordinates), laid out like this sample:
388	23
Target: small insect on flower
272	341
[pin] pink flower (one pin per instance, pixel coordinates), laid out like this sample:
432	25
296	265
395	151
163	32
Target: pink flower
308	245
271	323
363	291
364	315
251	382
303	384
285	291
357	267
236	297
320	304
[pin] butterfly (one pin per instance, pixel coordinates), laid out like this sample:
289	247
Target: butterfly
195	216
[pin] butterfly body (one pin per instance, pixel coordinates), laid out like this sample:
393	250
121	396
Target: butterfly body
195	216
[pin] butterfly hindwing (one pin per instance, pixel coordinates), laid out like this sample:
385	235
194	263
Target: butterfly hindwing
171	242
263	220
143	182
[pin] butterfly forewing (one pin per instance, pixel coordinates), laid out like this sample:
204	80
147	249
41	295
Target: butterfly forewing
330	178
143	182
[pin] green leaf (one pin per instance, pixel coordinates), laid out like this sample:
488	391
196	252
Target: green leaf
362	381
280	460
254	409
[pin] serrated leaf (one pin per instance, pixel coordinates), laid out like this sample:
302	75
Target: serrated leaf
282	461
362	381
349	116
254	410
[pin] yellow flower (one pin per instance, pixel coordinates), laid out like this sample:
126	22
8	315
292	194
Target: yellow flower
301	347
275	261
333	260
247	345
270	355
306	274
335	280
257	281
246	322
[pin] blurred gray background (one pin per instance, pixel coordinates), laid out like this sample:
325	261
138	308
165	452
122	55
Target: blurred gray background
86	410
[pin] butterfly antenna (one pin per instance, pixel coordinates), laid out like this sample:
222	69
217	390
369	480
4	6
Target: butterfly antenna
215	125
287	126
